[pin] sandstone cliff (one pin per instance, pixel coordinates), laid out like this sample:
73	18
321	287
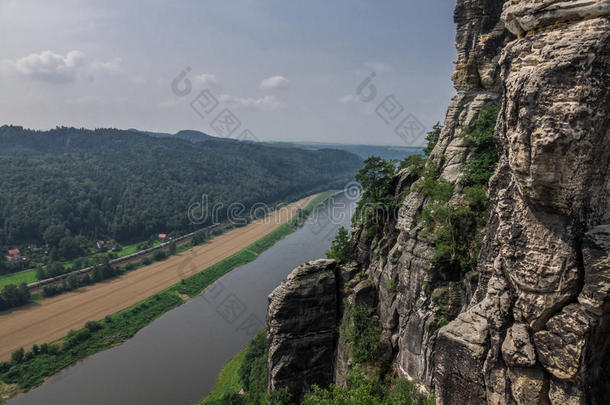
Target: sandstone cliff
537	329
533	314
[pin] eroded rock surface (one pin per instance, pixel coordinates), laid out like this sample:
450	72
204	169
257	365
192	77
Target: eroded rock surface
302	333
547	244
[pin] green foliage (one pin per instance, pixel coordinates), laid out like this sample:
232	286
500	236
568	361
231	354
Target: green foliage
27	277
432	138
434	187
159	255
480	168
200	237
368	390
255	350
377	200
480	134
17	356
247	371
452	230
70	247
376	178
100	272
476	196
127	186
360	330
443	317
340	249
13	296
229	382
93	326
479	137
415	163
456	231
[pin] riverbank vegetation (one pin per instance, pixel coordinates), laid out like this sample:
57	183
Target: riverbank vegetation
81	187
29	368
243	380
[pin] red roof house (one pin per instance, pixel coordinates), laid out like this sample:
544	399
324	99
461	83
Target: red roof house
162	236
14	254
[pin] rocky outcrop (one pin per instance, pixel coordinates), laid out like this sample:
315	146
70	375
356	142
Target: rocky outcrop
302	332
402	256
536	329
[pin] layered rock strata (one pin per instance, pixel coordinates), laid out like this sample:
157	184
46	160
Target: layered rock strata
537	329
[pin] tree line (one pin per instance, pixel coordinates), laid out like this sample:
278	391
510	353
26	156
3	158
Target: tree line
68	187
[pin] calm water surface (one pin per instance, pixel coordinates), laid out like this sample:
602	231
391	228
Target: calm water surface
176	359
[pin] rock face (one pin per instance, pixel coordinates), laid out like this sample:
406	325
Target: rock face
401	257
302	328
537	328
534	316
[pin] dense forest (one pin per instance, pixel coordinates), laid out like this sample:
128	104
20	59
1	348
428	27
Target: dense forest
66	186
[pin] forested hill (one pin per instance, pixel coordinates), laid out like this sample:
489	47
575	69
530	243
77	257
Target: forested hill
128	186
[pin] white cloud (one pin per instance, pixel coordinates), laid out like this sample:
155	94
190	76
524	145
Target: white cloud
267	102
205	80
350	98
52	67
274	83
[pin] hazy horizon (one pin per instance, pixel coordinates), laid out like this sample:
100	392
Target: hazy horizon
287	71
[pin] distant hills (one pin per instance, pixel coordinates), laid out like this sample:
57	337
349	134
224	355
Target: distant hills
364	151
128	185
187	134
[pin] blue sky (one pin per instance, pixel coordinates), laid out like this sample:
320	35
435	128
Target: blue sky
288	70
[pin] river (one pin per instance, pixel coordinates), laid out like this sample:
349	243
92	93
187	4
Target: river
176	359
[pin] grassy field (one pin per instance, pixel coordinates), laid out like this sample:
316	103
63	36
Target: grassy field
246	371
28	276
36	366
228	381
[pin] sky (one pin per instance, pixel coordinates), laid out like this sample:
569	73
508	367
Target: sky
345	71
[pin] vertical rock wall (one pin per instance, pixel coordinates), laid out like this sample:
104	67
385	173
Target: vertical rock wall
402	257
302	328
537	329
